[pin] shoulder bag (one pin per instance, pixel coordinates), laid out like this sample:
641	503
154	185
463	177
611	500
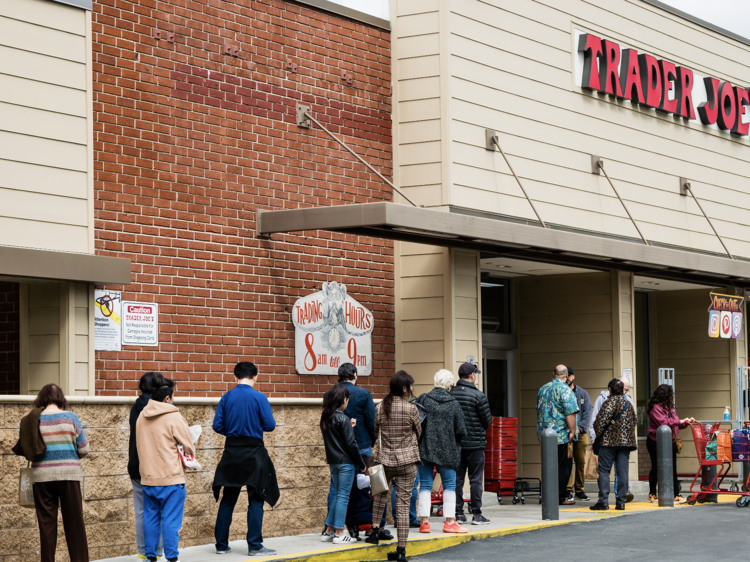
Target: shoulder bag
598	441
378	481
26	487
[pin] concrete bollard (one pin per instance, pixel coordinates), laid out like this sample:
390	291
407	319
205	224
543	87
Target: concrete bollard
665	472
550	491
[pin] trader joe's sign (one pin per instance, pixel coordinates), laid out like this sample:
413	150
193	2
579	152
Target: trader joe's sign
725	316
331	328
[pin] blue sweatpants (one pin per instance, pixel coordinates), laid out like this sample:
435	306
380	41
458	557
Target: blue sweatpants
163	506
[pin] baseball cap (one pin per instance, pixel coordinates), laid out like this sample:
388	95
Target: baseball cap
570	371
468	368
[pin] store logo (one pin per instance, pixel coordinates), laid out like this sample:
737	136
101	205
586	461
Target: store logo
725	316
645	80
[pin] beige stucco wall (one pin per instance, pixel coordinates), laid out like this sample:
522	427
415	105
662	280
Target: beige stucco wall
295	446
46	149
461	66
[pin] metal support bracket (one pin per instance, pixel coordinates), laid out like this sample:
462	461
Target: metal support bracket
490	138
686	188
304	117
598	164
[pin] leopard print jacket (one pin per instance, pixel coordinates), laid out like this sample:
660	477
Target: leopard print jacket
623	431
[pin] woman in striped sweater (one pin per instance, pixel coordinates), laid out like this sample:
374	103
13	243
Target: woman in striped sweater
57	476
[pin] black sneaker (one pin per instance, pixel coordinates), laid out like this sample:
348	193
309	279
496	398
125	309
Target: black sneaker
461	518
479	519
583	497
374	537
620	507
599	507
570	496
385	535
227	550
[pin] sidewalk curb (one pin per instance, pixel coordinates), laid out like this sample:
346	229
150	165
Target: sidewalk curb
417	545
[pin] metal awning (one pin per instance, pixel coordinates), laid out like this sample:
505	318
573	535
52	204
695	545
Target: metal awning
495	237
28	263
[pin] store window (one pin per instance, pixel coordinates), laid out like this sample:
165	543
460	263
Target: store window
10	338
496	309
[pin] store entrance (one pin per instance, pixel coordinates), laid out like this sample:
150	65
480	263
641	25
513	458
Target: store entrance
498	382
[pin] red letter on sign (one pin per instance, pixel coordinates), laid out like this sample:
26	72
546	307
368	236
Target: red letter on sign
685	94
630	76
650	79
727	107
668	75
591	47
608	69
741	97
709	109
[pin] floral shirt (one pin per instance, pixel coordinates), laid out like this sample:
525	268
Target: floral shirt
554	402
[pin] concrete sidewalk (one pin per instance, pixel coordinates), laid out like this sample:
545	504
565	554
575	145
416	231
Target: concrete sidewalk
505	519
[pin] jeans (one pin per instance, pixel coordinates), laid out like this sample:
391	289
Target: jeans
620	456
342	476
412	504
163	507
254	519
473	461
448	478
139	534
332	486
564	468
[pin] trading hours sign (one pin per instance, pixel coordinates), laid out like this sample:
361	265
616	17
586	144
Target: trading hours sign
331	328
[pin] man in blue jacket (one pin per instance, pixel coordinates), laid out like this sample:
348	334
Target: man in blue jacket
242	416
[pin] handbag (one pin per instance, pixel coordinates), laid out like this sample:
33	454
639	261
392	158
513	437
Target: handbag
26	487
597	442
378	481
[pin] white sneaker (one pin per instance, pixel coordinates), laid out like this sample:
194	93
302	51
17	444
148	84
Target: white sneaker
327	537
344	538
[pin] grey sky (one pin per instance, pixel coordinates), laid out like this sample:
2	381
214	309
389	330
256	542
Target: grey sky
732	15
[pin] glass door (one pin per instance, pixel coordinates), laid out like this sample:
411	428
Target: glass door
497	373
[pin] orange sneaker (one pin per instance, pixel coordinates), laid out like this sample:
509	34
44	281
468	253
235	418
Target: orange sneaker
424	527
454	528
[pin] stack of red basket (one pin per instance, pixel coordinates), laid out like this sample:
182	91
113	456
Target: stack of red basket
501	456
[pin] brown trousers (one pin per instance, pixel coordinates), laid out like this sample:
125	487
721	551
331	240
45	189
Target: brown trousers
578	476
66	494
404	477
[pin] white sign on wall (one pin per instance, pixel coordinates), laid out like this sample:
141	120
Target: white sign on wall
331	328
107	320
140	324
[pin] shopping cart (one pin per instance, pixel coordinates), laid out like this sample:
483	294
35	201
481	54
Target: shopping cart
702	435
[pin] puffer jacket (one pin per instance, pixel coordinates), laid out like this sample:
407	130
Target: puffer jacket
623	431
477	416
444	429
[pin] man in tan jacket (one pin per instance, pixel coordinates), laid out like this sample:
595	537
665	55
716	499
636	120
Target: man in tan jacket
159	429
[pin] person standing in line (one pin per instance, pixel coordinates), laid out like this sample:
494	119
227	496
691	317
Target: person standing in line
398	429
242	416
615	426
477	416
595	411
583	444
440	449
661	411
556	408
159	430
146	386
56	474
343	458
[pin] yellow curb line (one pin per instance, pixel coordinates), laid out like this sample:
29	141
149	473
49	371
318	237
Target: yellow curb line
419	545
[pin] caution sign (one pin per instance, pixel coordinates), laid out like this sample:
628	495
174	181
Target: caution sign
725	316
107	320
140	324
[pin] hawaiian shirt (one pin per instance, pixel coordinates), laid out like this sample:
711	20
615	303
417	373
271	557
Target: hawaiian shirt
554	402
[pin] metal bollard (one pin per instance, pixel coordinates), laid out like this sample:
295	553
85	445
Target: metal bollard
664	466
550	490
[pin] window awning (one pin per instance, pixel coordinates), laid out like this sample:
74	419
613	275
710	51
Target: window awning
28	263
504	238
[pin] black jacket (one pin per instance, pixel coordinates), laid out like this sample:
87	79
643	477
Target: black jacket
341	446
444	428
476	409
134	465
245	462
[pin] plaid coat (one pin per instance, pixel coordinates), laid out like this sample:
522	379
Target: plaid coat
397	436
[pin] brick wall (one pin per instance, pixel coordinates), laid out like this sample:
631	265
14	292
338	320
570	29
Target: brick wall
190	142
10	338
295	446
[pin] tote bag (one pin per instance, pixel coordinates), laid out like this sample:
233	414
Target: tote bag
378	481
26	488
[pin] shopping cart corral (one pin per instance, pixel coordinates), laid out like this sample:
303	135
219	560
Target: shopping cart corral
717	448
